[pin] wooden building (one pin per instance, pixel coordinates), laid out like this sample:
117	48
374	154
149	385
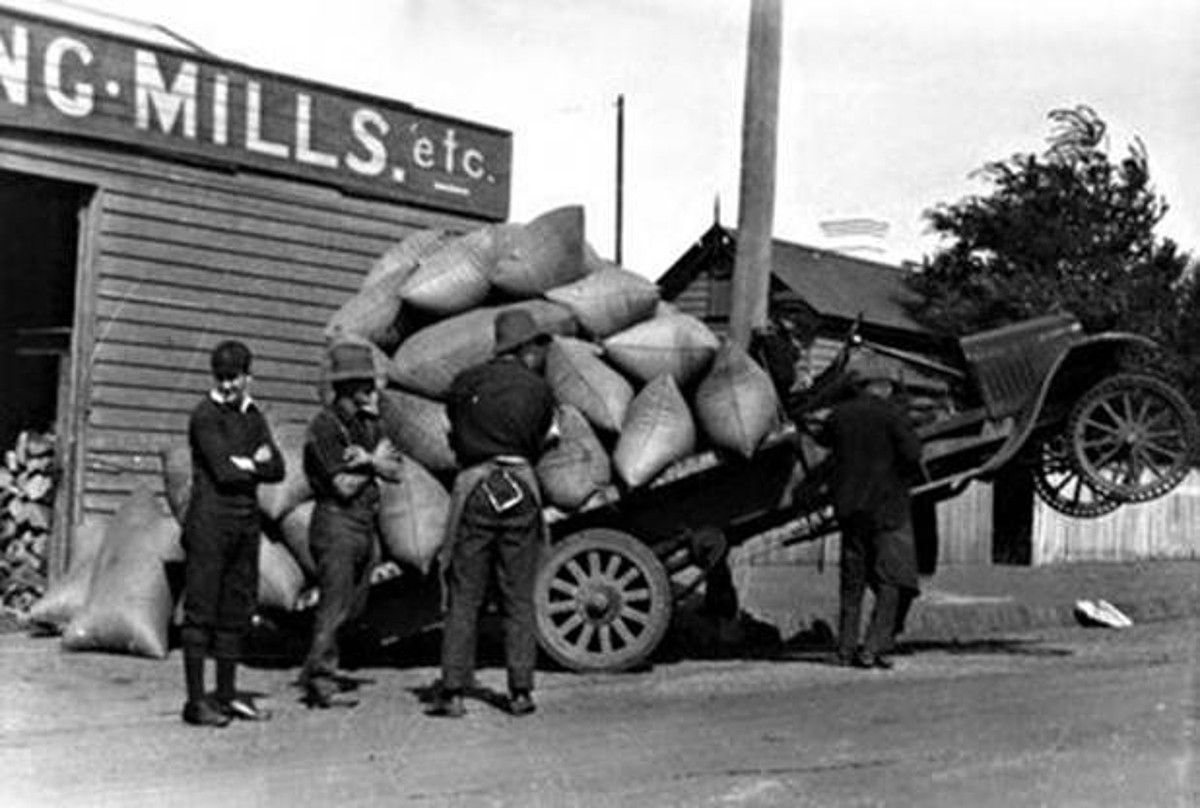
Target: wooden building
154	200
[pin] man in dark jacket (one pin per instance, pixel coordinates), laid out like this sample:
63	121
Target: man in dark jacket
876	458
501	416
232	452
344	456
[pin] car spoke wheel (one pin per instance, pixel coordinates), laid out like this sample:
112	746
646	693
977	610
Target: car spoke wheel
1133	437
602	600
1061	486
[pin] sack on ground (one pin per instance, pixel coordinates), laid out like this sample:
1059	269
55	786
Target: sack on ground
456	276
276	499
293	532
577	467
399	261
280	578
735	403
545	253
128	607
427	362
177	478
419	427
658	430
579	377
608	300
677	345
412	516
66	597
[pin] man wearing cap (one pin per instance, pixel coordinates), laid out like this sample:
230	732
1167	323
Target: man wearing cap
232	452
344	456
501	418
876	457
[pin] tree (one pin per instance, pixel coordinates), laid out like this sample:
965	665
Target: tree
1064	230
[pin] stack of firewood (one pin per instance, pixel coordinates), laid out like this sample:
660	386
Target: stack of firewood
26	513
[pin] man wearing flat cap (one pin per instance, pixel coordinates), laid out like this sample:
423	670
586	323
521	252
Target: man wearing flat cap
876	458
344	456
501	418
232	452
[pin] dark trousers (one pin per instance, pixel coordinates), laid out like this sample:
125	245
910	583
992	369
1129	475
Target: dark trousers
221	582
507	546
343	546
883	558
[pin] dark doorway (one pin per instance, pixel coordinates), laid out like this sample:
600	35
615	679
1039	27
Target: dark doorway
39	243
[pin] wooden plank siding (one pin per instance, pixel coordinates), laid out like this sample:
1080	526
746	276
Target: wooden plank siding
184	257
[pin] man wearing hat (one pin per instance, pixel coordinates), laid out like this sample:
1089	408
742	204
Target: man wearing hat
232	452
876	457
501	418
343	457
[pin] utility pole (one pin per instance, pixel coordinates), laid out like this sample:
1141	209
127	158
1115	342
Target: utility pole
756	204
620	174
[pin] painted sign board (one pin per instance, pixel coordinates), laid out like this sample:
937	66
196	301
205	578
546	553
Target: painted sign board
59	78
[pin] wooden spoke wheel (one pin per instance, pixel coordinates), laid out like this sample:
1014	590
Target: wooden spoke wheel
602	601
1133	437
1061	486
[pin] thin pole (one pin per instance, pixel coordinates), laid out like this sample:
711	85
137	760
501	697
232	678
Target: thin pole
620	174
756	206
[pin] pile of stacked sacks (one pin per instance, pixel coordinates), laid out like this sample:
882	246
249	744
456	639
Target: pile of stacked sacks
639	386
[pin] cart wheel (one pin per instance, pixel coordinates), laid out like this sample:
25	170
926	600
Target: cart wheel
1133	437
603	601
1062	487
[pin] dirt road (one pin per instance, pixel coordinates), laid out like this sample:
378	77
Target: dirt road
1068	717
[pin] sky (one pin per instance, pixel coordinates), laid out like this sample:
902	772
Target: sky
886	108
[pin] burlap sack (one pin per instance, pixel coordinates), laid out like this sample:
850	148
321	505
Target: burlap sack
545	253
398	261
677	345
658	430
280	578
579	377
735	403
276	499
66	597
412	516
577	467
429	360
608	300
293	531
177	478
456	276
592	262
419	427
128	607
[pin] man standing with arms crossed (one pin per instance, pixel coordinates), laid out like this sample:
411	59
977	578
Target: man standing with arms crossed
501	417
345	454
232	452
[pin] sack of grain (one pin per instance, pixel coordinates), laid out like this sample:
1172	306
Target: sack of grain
736	405
678	345
579	377
592	262
412	516
429	360
276	499
66	597
545	253
129	604
280	578
658	430
419	427
577	467
608	300
456	276
177	478
400	260
293	532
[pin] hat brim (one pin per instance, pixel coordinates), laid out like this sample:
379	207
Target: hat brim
351	376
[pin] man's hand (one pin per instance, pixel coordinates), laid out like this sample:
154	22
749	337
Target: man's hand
386	460
355	457
243	463
262	454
